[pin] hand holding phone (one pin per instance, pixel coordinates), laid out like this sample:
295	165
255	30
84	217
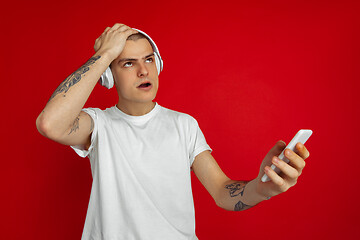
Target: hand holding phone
301	136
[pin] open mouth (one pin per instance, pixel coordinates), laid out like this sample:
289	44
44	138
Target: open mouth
144	85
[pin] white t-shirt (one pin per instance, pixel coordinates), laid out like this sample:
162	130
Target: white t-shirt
140	166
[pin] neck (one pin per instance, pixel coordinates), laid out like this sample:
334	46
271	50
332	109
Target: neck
135	109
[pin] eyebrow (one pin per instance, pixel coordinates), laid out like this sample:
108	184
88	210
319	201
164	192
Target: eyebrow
134	59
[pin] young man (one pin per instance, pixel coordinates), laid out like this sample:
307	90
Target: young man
141	154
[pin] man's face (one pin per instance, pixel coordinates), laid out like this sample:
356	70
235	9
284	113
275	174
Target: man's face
134	67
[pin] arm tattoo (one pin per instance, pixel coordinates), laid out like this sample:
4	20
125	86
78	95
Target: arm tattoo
241	206
236	188
75	125
74	78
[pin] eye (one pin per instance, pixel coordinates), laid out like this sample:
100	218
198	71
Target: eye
149	60
127	64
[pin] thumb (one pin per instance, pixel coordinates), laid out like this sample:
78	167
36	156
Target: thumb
277	149
274	151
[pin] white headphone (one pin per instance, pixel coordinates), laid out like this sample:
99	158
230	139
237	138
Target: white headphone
107	79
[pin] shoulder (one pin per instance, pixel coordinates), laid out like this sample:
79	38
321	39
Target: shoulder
181	119
97	113
179	116
92	110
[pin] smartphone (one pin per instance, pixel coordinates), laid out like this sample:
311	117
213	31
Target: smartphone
301	136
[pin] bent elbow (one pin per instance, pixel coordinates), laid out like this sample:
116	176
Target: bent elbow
42	126
45	128
220	204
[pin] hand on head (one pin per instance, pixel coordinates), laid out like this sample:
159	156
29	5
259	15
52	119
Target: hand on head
112	40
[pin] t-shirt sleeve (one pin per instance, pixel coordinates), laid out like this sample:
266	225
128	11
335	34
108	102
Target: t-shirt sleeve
198	142
79	149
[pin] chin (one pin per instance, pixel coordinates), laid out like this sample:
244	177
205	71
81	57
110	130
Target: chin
145	99
148	97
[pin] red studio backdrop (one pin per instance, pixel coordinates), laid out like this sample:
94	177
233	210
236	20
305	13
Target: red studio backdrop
250	72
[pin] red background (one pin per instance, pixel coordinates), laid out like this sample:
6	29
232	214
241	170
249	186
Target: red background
250	72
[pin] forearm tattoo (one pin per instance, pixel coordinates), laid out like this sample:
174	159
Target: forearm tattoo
75	125
241	206
74	78
237	189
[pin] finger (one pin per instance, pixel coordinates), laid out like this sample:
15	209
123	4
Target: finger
127	30
277	149
116	26
106	29
302	150
295	160
130	31
122	28
276	179
285	168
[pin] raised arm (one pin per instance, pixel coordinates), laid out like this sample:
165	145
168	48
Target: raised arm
62	119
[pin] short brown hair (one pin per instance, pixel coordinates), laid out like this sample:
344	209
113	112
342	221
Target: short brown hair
136	36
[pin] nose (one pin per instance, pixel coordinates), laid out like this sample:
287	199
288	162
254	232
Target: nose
142	71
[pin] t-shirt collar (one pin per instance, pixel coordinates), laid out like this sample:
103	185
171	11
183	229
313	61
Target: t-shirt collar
137	119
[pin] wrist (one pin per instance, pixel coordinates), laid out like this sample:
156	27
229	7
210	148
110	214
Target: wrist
106	57
257	195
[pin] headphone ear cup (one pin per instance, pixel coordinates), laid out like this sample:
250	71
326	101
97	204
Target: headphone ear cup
157	62
107	79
